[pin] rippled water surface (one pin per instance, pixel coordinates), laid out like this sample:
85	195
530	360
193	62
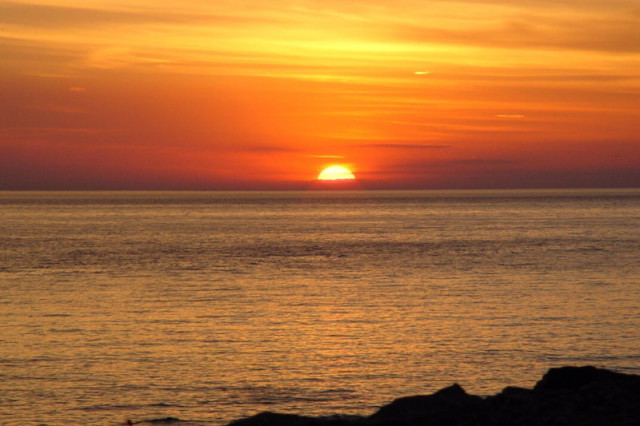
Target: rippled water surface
213	306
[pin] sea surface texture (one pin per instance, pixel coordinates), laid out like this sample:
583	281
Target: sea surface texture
212	306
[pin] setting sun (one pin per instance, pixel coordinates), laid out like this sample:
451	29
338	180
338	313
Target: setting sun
336	173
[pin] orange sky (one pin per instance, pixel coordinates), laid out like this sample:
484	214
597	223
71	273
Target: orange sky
248	94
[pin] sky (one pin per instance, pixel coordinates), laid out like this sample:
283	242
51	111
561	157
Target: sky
252	94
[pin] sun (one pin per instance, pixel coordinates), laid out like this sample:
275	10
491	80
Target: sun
336	173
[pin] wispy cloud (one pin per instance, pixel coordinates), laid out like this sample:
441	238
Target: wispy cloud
420	166
49	16
64	109
403	146
596	34
119	57
263	149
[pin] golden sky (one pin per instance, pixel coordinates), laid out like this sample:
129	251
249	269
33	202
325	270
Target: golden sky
232	94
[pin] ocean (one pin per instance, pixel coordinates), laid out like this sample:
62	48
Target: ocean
211	306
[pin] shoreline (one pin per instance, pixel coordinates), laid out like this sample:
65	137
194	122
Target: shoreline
585	396
567	396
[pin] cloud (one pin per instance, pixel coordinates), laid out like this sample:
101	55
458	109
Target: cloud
465	163
612	34
35	52
263	149
467	73
64	109
402	146
45	16
46	135
118	57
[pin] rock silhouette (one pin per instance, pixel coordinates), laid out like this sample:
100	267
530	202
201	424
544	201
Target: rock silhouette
565	396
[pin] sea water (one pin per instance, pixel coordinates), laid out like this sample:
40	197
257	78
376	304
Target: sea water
210	306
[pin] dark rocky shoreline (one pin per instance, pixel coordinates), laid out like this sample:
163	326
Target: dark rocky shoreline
566	396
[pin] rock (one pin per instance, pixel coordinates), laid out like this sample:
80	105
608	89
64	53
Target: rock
566	396
574	378
268	418
588	396
448	406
